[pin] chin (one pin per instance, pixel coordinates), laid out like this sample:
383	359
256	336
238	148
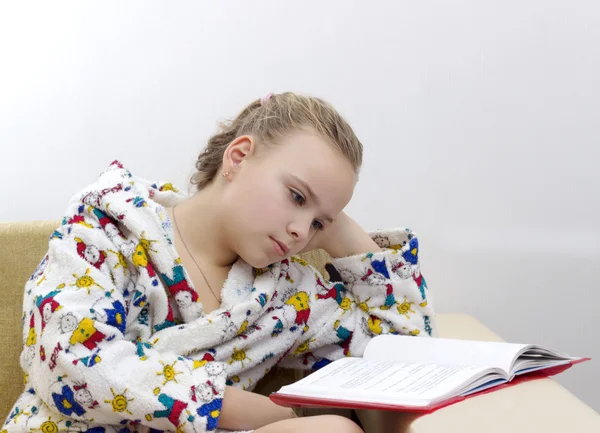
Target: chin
257	261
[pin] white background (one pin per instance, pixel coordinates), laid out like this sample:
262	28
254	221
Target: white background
479	120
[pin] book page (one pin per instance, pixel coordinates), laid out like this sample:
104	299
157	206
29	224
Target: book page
528	363
385	381
444	351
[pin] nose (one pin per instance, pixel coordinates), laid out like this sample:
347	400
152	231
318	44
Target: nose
299	230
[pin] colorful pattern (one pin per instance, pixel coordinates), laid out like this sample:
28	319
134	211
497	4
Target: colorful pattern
115	338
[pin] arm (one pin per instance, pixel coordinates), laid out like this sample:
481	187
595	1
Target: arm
245	410
380	292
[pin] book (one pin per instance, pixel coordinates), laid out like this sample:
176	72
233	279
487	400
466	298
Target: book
406	373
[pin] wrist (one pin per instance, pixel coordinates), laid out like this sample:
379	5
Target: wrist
349	244
281	413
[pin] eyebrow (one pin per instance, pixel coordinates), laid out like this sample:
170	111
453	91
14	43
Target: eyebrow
311	193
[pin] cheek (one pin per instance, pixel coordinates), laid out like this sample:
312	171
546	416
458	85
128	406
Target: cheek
262	207
275	210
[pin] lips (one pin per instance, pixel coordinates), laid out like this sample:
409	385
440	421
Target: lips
281	248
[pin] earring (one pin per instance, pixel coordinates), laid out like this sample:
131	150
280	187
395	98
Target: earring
225	175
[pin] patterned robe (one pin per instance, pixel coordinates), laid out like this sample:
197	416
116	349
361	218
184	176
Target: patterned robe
115	338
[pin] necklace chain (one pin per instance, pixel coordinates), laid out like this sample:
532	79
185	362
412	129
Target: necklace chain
190	254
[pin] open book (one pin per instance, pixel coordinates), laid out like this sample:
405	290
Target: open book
420	374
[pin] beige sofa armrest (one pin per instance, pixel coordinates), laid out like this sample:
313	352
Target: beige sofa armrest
535	406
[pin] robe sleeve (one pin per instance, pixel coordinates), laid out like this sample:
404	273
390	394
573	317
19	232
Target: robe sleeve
76	356
367	295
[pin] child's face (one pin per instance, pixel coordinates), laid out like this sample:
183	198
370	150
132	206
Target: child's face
269	202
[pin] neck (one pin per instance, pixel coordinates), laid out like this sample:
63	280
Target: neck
200	222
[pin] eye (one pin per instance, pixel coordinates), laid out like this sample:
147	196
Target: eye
300	201
297	197
317	225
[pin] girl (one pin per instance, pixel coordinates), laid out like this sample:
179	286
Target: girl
155	311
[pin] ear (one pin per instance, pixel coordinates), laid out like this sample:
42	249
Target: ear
237	151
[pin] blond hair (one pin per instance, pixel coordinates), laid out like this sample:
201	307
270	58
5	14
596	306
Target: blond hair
273	117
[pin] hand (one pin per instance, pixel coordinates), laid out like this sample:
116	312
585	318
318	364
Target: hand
325	237
344	237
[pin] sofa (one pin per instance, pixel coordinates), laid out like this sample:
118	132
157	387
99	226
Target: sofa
534	406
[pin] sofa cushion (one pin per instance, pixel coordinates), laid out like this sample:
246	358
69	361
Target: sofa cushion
23	245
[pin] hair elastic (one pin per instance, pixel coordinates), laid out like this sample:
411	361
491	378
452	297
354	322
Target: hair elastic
266	98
